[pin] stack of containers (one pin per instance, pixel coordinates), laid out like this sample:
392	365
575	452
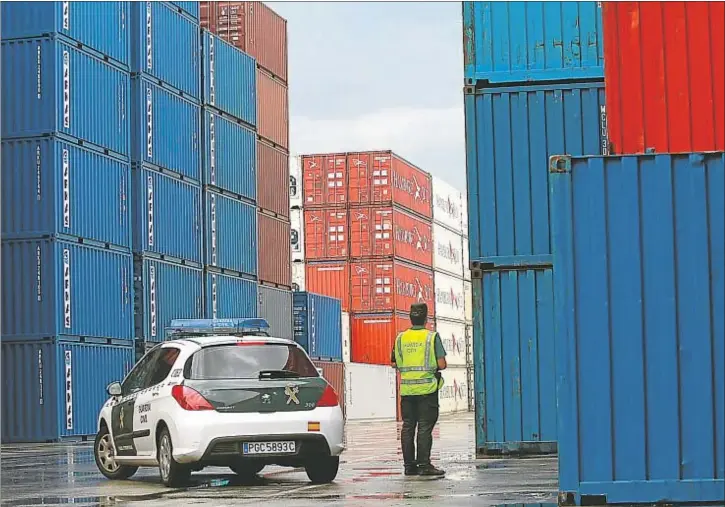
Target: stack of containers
67	306
468	303
532	90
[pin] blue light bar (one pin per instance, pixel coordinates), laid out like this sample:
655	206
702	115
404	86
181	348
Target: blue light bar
216	326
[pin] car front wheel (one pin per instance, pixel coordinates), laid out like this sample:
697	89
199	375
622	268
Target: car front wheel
105	456
323	469
173	474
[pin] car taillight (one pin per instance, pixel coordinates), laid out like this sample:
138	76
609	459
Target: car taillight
328	398
190	399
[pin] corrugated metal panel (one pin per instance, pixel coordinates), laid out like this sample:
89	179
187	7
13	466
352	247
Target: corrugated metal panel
639	288
370	392
453	396
468	300
165	44
230	156
447	251
275	305
230	80
298	276
532	41
507	189
100	27
446	205
379	286
272	109
72	190
297	235
274	257
231	233
453	336
53	390
166	129
334	373
373	335
664	76
295	182
189	8
326	234
464	213
318	325
324	180
449	296
466	260
331	279
346	337
56	291
166	214
230	297
164	291
94	108
515	363
273	174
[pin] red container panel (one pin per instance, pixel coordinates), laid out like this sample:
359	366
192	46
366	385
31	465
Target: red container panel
389	285
329	279
324	180
664	76
372	336
272	175
272	109
326	234
334	373
274	261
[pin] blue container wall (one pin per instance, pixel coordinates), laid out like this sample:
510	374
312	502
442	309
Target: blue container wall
165	291
56	290
100	26
510	133
506	42
230	155
229	297
54	390
639	288
95	108
167	215
165	44
166	129
317	322
231	233
230	79
72	190
189	8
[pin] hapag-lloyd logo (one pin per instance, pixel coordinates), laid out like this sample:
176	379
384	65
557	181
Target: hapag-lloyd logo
410	186
447	206
452	344
412	237
415	289
456	391
449	298
447	251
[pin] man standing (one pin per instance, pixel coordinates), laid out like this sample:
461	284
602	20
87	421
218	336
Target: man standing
419	356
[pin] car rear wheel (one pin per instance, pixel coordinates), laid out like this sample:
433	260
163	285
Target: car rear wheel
323	469
105	456
173	474
247	470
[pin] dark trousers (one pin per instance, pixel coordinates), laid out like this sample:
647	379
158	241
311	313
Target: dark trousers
420	412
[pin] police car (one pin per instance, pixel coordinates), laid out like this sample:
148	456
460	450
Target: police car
220	393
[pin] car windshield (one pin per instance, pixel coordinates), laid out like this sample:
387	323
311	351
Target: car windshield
248	361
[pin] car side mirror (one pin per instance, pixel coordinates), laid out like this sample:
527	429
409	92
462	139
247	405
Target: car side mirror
319	370
114	389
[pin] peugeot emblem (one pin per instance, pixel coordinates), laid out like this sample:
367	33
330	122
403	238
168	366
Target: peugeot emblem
266	398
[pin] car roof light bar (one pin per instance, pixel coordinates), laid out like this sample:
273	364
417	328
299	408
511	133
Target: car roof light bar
207	327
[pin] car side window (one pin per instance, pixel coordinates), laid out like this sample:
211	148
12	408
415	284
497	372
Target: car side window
162	365
136	380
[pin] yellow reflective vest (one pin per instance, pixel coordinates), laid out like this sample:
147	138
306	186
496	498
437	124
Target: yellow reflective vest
416	360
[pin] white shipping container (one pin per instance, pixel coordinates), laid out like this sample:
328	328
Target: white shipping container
370	392
449	297
468	301
464	214
466	260
298	276
447	251
453	336
453	396
469	346
295	182
446	205
345	337
297	235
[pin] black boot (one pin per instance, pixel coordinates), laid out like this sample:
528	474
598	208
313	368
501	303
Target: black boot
430	471
411	470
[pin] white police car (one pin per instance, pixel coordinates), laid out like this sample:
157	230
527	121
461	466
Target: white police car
221	393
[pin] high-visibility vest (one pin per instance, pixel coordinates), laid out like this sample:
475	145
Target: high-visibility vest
415	359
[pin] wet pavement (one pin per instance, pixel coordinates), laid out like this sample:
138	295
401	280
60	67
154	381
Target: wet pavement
370	472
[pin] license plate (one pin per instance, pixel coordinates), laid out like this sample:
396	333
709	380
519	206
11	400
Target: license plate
268	447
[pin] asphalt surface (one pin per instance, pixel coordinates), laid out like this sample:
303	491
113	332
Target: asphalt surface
370	473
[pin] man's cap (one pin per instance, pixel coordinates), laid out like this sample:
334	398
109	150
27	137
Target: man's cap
418	310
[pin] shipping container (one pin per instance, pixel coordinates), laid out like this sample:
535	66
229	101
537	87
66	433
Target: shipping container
639	246
453	396
229	297
230	156
346	337
298	276
191	9
272	177
464	213
469	349
165	44
665	76
56	291
468	300
72	191
100	27
370	392
164	291
446	205
447	249
318	325
54	390
386	178
510	133
386	231
334	373
466	260
449	297
275	305
297	235
73	93
330	278
453	336
507	42
166	129
166	216
372	335
324	180
326	234
229	79
272	110
295	182
274	261
515	363
230	234
390	285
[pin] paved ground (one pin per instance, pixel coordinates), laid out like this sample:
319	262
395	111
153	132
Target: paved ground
371	472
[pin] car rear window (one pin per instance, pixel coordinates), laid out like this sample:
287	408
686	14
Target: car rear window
247	361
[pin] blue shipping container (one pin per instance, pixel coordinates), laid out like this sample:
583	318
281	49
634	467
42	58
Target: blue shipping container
72	191
230	155
101	27
59	288
189	8
54	390
275	305
228	296
506	42
58	88
317	322
167	216
166	129
639	250
231	234
510	133
164	291
230	79
165	45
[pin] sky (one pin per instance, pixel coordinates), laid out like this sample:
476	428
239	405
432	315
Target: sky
378	76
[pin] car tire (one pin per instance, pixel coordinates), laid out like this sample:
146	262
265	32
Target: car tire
247	470
104	454
323	470
173	474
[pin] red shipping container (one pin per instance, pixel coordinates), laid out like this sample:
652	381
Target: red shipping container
272	175
664	76
324	180
274	263
329	279
334	373
326	234
385	178
272	109
372	336
388	231
389	285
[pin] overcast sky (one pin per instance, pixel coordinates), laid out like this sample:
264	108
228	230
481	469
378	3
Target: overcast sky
375	76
